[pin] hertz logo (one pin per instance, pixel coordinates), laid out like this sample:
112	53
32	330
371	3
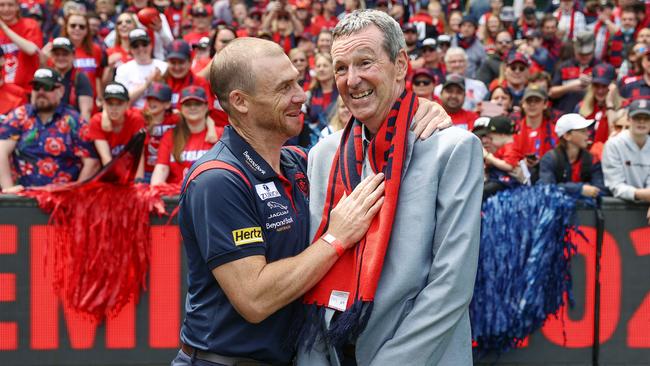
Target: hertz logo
247	235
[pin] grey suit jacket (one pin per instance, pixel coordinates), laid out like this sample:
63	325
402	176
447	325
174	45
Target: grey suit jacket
420	314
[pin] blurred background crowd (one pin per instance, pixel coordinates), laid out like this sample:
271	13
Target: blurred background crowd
556	90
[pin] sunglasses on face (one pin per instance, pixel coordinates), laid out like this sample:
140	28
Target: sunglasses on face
520	68
139	44
46	87
428	49
77	26
422	82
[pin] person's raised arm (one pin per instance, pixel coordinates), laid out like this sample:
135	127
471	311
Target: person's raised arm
25	45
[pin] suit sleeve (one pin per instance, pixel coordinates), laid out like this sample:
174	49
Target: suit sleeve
438	309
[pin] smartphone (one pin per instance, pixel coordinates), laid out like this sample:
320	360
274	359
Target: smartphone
490	109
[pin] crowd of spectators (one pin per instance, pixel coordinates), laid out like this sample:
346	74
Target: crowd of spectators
556	90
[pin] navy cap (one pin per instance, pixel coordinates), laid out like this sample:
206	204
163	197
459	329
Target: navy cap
159	91
423	71
603	74
409	27
469	19
639	106
193	92
116	90
179	49
518	57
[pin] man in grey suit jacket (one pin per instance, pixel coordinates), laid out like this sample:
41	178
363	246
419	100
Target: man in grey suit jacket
420	311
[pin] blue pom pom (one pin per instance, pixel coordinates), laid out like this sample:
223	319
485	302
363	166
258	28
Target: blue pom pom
524	264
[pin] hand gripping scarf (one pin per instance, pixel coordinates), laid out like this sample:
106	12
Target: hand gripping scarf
353	279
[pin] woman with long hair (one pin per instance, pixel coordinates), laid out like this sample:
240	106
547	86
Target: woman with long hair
159	118
339	116
120	53
600	103
488	32
321	97
89	57
221	37
185	143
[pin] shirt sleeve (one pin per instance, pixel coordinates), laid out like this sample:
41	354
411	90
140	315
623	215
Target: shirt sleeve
83	86
165	148
224	223
95	131
10	129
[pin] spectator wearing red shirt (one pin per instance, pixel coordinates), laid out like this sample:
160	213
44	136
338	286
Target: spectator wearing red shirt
111	129
177	18
89	57
159	118
13	95
185	143
326	19
21	40
201	23
120	53
536	135
452	96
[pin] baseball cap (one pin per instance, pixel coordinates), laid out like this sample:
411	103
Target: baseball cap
454	79
116	90
529	12
535	92
409	27
201	10
501	124
429	43
444	38
571	121
481	126
138	35
585	42
62	43
518	57
193	92
203	43
159	91
603	74
46	76
532	33
179	49
422	72
639	106
469	19
507	14
607	4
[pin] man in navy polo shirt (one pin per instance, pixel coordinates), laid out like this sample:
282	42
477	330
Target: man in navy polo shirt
244	218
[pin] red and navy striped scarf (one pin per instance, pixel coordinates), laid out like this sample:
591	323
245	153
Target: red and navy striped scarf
357	272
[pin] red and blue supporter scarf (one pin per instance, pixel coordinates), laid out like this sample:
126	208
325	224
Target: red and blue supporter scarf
358	270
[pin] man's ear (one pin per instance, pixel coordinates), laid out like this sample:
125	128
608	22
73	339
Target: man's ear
238	101
402	65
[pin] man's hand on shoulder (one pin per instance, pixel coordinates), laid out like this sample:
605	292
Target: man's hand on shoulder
429	117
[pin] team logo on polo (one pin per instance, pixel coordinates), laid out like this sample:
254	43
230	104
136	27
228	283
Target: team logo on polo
247	235
267	190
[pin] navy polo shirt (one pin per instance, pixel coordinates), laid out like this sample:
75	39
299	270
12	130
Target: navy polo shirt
635	88
226	215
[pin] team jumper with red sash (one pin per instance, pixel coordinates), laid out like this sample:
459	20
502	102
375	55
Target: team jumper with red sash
538	141
20	67
152	141
217	114
133	122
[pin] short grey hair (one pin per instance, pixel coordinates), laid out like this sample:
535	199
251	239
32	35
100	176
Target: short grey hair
232	68
359	20
453	51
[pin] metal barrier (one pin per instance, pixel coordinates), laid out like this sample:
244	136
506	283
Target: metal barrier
36	330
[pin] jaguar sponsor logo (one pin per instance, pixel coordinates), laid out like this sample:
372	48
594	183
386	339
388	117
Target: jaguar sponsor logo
273	204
